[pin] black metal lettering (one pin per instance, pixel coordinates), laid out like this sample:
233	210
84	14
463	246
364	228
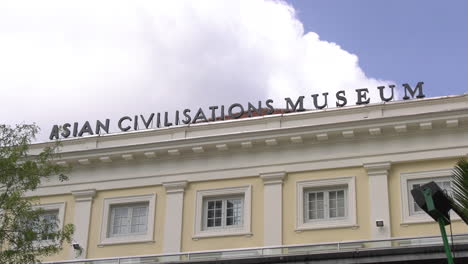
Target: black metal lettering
362	94
166	120
148	122
200	115
119	124
86	128
290	107
66	130
412	92
270	107
236	115
213	112
100	125
325	104
382	96
188	118
54	133
340	96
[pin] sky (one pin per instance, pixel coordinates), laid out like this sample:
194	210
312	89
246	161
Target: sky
77	61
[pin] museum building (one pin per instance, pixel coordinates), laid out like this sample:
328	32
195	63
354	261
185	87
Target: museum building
325	185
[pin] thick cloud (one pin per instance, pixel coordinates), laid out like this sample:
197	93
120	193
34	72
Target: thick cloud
63	62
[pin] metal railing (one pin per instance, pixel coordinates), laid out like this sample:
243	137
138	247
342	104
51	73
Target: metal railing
316	248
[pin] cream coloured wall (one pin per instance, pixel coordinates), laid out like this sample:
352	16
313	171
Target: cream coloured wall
361	232
68	219
222	242
416	229
126	249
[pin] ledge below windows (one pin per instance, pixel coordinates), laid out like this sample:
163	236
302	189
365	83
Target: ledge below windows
221	234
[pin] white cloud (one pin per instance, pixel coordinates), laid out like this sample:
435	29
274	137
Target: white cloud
87	60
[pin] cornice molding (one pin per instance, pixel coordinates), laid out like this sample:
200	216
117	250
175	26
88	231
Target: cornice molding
376	169
84	195
175	187
273	177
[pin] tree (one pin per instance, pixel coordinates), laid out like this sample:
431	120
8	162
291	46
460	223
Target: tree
25	234
460	187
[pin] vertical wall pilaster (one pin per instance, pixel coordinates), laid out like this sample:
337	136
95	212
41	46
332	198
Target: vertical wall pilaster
82	219
272	209
174	213
379	199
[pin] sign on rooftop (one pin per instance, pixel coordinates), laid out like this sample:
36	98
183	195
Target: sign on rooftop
233	111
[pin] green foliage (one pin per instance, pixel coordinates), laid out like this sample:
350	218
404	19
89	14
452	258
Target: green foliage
25	236
460	186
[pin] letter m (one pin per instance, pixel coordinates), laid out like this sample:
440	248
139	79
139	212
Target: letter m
290	107
412	92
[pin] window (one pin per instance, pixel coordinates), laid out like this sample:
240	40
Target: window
326	203
52	216
50	220
128	219
221	212
443	182
410	211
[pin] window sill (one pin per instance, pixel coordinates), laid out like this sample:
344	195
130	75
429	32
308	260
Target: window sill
109	242
221	234
425	220
316	226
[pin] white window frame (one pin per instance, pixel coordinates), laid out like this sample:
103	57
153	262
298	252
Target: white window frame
407	216
108	203
200	229
349	220
224	200
60	208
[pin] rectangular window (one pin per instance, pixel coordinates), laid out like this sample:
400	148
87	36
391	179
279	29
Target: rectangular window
48	224
410	211
128	219
223	212
442	182
50	219
324	204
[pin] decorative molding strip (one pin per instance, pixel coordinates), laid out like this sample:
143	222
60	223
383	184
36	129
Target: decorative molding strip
61	163
150	154
173	152
322	137
273	177
222	147
198	149
296	139
374	169
84	195
127	157
348	134
105	159
452	123
271	142
175	187
375	131
246	144
84	161
401	128
425	126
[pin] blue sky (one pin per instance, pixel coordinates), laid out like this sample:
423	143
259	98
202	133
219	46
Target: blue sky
404	41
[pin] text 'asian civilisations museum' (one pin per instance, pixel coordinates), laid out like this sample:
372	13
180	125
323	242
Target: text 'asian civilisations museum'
263	182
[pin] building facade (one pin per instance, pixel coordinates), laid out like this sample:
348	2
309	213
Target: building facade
307	178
